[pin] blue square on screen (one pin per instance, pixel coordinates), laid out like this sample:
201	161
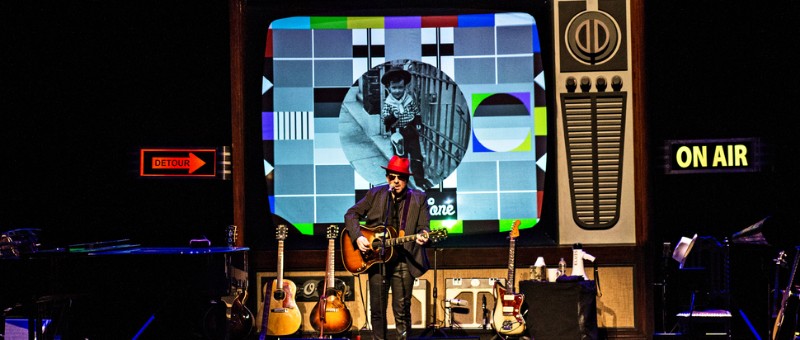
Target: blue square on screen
518	205
477	206
331	209
333	43
477	176
335	179
294	152
296	209
329	73
294	99
464	70
294	180
514	39
292	73
291	44
519	175
515	69
471	41
403	44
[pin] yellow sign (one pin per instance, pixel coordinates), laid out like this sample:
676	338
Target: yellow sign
713	155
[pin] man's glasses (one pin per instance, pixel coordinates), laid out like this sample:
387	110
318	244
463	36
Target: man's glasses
392	177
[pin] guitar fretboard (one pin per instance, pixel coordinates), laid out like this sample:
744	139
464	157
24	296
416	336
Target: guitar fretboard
331	263
510	279
400	240
279	280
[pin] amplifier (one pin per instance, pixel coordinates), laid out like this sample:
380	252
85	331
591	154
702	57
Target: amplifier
419	306
469	314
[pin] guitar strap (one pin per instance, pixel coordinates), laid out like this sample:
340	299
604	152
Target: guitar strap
405	210
265	312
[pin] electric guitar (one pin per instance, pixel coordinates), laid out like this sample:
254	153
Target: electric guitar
357	262
507	318
330	315
240	319
783	329
282	317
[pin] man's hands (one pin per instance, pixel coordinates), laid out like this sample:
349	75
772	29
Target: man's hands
422	238
363	243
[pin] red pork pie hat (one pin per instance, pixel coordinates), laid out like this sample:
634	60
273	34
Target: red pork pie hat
398	165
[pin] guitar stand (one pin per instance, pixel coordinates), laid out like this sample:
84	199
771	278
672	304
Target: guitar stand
433	329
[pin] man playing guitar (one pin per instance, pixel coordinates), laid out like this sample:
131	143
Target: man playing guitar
393	204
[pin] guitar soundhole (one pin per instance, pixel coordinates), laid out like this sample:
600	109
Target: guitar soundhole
377	244
338	285
279	295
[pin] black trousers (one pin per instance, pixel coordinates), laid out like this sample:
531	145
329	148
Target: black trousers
395	275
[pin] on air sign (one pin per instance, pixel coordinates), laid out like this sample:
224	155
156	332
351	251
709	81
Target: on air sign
713	155
178	162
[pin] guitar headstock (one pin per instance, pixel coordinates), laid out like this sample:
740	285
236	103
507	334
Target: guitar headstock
230	235
333	231
437	235
515	229
280	232
781	259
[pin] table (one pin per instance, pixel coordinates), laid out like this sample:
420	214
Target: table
560	310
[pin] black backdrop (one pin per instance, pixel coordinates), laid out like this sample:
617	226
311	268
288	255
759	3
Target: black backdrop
722	70
89	83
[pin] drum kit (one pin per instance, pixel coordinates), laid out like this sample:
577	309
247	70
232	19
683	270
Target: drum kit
14	243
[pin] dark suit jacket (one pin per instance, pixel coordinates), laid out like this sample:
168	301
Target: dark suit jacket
372	209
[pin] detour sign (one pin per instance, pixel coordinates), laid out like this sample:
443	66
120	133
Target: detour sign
178	162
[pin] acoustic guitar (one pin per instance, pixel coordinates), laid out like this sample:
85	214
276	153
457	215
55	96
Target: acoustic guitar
330	315
507	318
385	237
784	327
281	317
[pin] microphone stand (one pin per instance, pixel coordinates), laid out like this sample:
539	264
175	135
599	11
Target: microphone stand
384	308
433	327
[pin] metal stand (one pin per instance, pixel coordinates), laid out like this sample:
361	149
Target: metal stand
433	328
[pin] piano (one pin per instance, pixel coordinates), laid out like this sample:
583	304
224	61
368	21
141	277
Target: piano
121	290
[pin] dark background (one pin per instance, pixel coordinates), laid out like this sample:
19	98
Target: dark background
86	84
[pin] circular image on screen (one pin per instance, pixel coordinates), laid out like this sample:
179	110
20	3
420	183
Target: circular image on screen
410	109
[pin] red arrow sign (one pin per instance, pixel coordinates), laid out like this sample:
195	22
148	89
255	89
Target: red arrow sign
192	163
178	162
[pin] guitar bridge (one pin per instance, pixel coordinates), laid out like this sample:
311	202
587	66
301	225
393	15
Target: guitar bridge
278	310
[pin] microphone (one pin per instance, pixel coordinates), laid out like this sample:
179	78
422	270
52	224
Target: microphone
485	313
457	302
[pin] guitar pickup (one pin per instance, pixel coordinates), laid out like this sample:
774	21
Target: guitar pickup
508	297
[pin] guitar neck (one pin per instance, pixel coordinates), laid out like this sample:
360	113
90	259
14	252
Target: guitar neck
330	265
788	292
510	280
400	240
279	280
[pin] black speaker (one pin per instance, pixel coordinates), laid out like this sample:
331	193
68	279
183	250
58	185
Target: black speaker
560	310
